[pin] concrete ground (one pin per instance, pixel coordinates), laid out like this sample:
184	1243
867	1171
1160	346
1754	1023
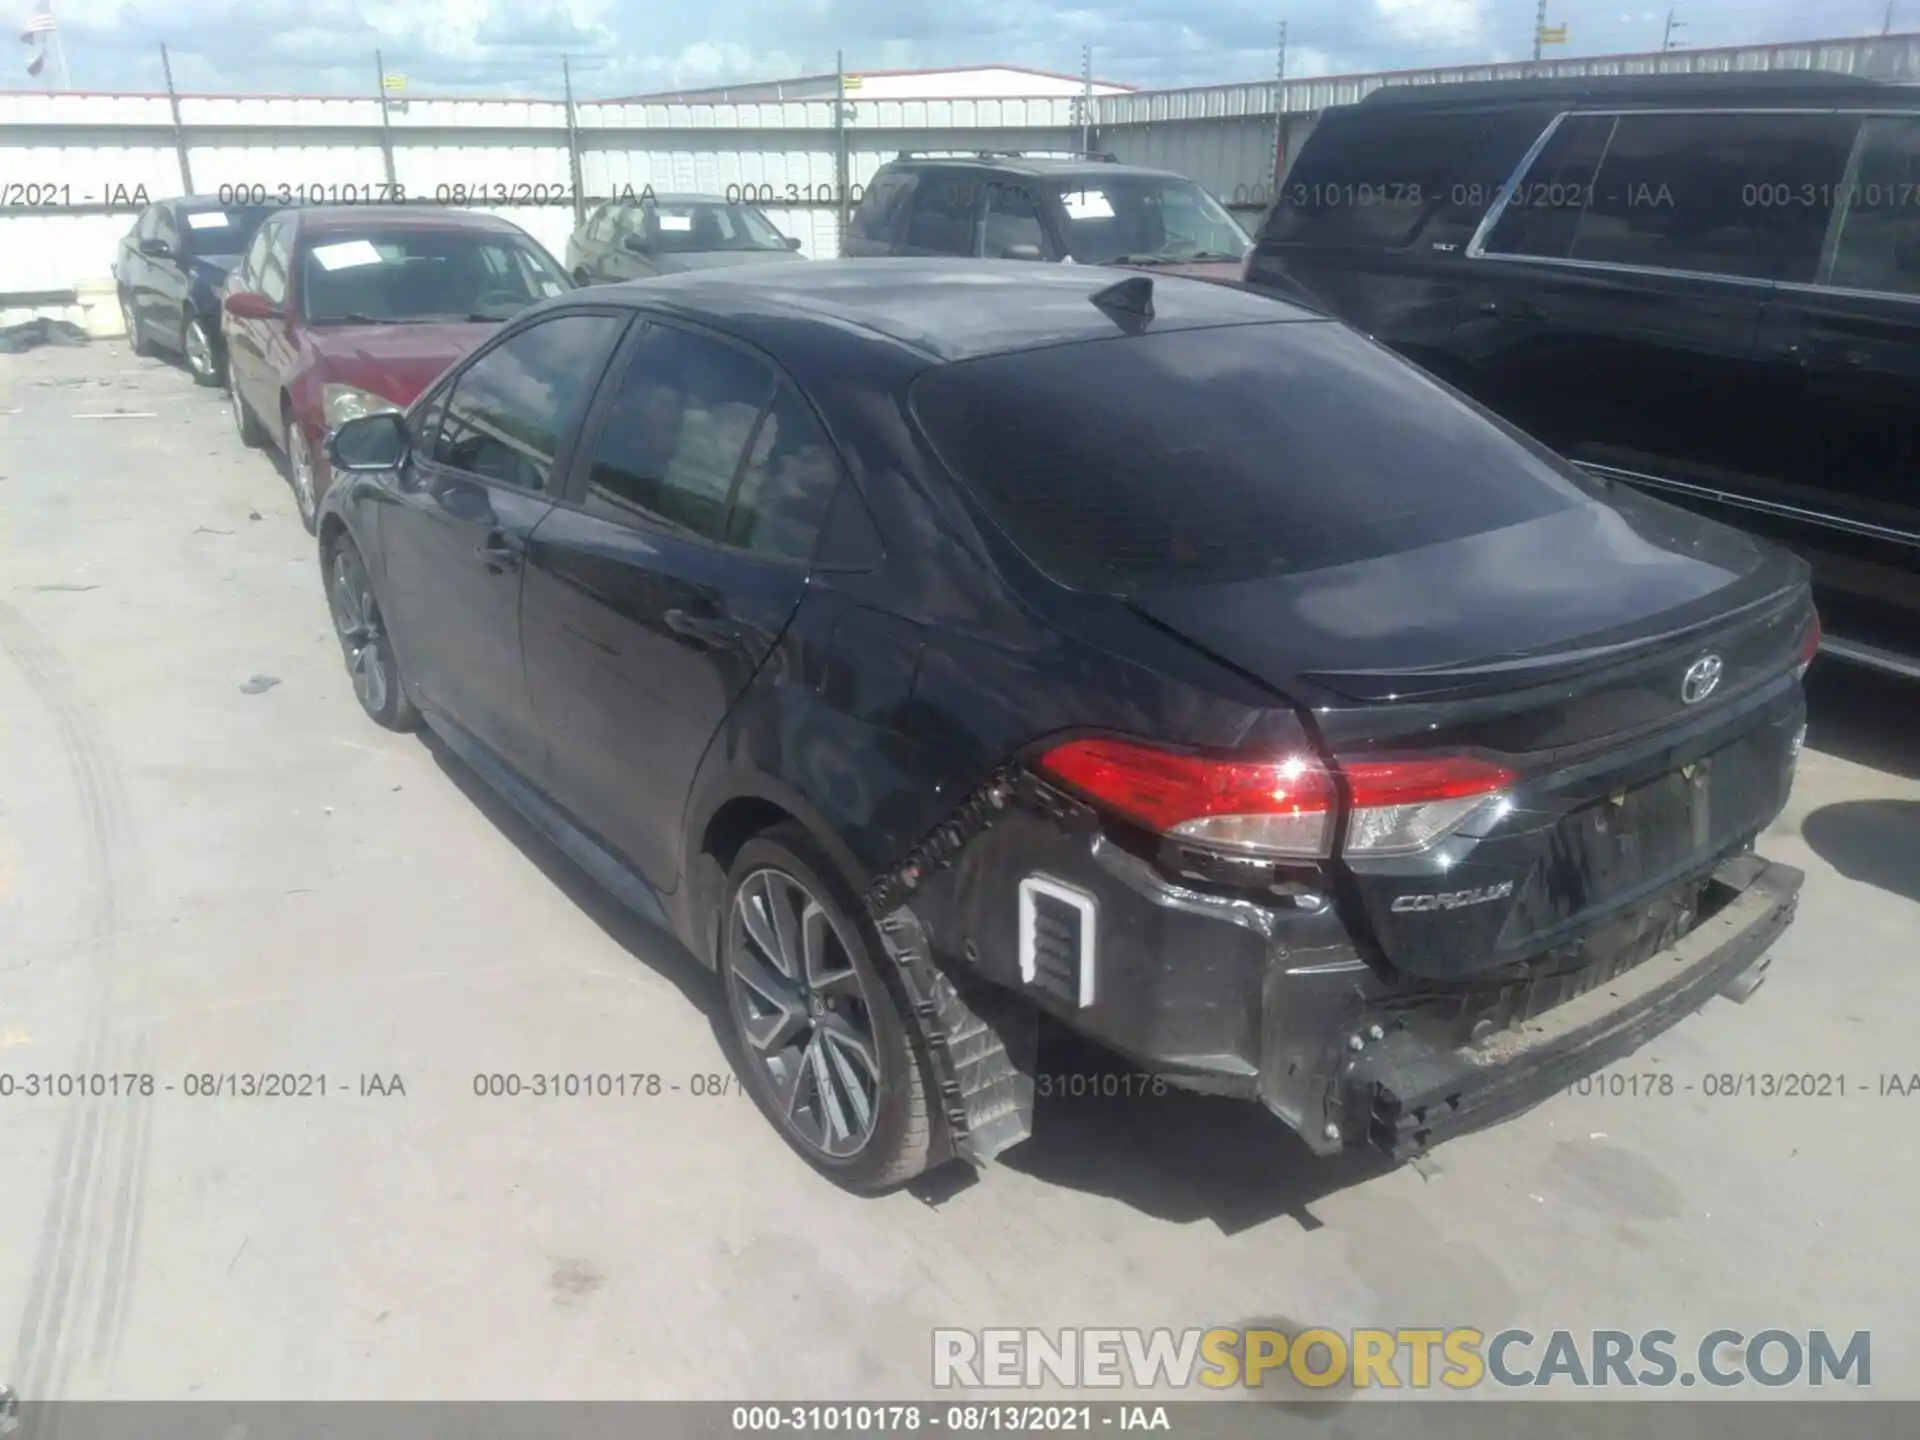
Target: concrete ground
201	873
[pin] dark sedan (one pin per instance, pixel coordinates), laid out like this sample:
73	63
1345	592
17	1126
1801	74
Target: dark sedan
934	645
169	271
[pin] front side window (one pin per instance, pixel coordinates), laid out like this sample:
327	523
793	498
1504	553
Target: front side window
397	276
1134	219
1544	209
510	409
273	265
1878	247
256	258
1716	194
940	221
676	432
1012	223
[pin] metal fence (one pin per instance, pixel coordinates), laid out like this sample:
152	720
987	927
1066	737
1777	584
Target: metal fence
75	168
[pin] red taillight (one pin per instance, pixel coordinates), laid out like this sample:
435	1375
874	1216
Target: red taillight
1282	807
1403	806
1810	646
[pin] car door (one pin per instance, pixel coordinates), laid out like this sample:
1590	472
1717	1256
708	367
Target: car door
279	336
1614	303
1010	224
453	539
246	356
160	279
1845	411
655	592
130	271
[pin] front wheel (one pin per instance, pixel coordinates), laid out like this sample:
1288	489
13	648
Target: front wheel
300	460
826	1051
357	620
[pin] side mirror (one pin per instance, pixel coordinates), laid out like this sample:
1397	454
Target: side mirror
637	243
1022	252
370	442
793	242
250	305
158	249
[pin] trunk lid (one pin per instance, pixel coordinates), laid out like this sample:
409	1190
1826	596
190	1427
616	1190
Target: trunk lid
1562	648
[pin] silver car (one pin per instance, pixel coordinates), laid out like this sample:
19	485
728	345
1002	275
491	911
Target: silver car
634	238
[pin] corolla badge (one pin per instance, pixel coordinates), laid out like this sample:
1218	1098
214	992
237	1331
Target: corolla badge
1702	679
1451	900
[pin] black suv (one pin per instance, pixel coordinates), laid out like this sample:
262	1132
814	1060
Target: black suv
1087	210
1705	285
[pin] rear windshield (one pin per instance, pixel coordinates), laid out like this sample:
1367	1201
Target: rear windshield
1209	456
1367	179
221	232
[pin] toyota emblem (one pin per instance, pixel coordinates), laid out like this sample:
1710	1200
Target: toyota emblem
1702	679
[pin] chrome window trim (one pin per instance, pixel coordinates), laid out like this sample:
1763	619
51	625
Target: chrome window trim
1749	502
1800	287
1510	185
1613	267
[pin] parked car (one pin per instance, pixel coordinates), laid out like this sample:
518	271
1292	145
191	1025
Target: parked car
169	270
338	311
1087	211
1705	285
632	239
935	644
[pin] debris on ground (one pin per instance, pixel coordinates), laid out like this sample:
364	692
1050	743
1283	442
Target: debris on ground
32	334
259	684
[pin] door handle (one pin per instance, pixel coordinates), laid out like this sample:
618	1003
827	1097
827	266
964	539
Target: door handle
500	551
715	630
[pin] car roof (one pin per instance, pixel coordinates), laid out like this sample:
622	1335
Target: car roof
1704	89
190	204
332	219
1035	166
939	309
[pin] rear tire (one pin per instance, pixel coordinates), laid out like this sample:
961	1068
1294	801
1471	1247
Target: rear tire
136	341
358	621
827	1047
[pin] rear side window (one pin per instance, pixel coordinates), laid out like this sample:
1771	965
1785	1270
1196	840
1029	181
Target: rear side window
1879	242
940	221
1739	195
1368	179
1210	456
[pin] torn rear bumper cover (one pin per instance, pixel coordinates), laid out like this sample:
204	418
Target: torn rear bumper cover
1270	1001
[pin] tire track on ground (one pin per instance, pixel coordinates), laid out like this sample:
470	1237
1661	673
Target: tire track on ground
89	1233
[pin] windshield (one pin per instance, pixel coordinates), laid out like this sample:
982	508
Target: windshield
1145	217
422	275
221	232
697	228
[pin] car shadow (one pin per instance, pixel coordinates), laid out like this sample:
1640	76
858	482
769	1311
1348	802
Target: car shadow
1876	842
1861	715
1099	1129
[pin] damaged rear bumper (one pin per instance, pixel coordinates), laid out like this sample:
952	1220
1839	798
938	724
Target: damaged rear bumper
1269	1000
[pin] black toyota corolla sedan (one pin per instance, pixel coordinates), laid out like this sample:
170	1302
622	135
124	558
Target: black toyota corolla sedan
168	273
934	645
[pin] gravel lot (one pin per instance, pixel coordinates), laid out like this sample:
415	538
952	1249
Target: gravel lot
195	879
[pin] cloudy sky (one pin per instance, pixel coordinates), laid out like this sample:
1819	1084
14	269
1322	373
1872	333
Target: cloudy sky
628	46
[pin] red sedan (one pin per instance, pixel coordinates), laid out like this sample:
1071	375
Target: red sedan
342	311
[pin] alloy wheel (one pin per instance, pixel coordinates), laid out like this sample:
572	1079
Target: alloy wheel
805	1013
300	457
199	350
357	618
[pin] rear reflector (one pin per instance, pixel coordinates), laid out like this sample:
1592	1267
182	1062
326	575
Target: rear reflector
1810	646
1283	808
